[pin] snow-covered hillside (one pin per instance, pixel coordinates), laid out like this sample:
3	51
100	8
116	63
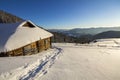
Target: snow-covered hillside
95	61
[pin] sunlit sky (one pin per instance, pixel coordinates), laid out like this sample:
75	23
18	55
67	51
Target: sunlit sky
66	14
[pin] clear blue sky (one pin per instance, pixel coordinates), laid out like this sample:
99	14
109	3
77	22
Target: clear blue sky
66	13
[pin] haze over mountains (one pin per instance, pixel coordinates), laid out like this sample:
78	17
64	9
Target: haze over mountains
85	31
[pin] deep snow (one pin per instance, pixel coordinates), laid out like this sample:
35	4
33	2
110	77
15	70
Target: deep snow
95	61
86	63
29	70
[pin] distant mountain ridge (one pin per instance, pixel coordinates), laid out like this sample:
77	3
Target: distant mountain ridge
94	31
6	17
108	34
85	31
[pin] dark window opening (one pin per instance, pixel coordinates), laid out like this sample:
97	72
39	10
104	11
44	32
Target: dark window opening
28	25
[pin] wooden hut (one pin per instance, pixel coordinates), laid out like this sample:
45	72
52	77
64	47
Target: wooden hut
23	38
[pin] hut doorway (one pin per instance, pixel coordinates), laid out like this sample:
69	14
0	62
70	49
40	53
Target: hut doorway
38	45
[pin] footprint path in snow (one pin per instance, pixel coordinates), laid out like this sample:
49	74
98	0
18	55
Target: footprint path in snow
32	71
43	67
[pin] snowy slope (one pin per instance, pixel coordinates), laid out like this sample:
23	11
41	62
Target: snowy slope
86	63
111	42
70	62
38	67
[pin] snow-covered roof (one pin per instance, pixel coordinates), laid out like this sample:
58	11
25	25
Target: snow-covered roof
16	35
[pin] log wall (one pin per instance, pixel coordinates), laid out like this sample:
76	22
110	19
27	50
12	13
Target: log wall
32	48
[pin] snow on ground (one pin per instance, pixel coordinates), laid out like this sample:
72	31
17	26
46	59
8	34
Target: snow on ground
112	42
38	67
86	63
77	62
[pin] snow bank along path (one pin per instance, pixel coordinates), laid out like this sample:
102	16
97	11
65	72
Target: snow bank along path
37	69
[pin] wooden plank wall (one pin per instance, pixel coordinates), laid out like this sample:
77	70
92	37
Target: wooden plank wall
32	48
